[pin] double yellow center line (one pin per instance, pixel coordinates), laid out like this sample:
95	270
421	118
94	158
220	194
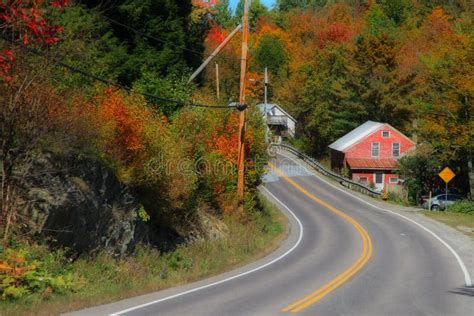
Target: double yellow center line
349	272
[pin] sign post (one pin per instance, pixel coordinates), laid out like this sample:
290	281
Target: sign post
447	175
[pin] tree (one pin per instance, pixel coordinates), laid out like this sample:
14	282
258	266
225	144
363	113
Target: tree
88	43
26	104
256	10
26	23
446	108
158	36
222	14
172	86
383	92
287	5
270	53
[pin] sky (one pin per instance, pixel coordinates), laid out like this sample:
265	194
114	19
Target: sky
268	3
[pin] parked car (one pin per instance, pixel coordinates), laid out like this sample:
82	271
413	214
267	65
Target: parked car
424	198
440	201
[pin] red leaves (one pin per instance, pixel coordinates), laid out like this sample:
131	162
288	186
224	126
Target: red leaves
225	139
216	35
6	61
336	33
60	3
26	19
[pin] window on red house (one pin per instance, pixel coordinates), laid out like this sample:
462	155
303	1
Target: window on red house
375	149
396	149
393	180
385	134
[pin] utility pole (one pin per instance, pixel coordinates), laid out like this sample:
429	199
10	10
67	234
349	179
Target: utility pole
266	84
217	82
243	69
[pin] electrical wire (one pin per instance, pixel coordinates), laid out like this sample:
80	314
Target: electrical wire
109	82
166	42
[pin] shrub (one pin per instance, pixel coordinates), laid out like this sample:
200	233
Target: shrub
22	273
466	207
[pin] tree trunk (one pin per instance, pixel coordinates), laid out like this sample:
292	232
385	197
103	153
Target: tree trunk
8	212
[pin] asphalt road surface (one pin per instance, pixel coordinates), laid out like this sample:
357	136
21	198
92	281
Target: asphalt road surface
343	257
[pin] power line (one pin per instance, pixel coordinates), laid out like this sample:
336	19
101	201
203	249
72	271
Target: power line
109	82
163	41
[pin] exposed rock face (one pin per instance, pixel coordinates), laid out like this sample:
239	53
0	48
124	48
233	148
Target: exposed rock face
81	205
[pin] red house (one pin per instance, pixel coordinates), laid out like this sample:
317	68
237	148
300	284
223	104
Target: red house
370	152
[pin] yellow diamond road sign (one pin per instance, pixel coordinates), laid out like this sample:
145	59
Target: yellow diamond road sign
446	174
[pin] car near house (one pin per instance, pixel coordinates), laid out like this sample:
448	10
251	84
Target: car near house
424	197
442	200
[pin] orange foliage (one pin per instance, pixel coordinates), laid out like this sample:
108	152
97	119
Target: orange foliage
126	123
216	35
439	22
224	140
254	85
335	32
435	36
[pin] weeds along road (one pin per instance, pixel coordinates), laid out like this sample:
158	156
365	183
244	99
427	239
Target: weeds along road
342	258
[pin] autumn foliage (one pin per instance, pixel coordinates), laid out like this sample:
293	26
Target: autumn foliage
26	22
225	138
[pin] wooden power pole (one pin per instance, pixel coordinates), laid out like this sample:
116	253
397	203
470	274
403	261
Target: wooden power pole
243	69
217	82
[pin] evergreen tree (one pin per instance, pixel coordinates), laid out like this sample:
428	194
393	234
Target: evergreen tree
256	10
270	53
223	14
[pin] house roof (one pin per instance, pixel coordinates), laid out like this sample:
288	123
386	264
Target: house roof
384	163
355	135
267	107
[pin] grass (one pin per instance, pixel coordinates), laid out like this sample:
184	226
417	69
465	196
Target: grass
105	279
460	221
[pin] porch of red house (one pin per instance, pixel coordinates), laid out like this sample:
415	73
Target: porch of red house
378	173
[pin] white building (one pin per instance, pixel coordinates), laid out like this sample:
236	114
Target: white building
280	124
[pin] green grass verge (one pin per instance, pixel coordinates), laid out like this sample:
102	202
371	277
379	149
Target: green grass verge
460	221
105	279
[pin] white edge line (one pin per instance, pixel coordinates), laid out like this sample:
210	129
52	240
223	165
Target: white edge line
230	278
467	278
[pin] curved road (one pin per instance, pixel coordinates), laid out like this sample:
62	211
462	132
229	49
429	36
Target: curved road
343	257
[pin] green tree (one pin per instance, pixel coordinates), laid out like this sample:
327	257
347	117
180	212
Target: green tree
270	53
383	92
156	36
287	5
256	10
223	14
173	86
329	105
88	43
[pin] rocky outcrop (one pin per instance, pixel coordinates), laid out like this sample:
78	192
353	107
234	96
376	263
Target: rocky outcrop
80	204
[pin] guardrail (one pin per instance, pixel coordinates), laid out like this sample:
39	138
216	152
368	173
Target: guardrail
329	173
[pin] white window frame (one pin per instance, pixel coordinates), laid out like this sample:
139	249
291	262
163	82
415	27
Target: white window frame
393	155
372	149
388	134
393	178
364	179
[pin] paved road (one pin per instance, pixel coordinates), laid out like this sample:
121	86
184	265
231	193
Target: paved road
343	257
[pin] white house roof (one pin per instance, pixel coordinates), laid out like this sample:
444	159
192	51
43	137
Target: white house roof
267	107
355	135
